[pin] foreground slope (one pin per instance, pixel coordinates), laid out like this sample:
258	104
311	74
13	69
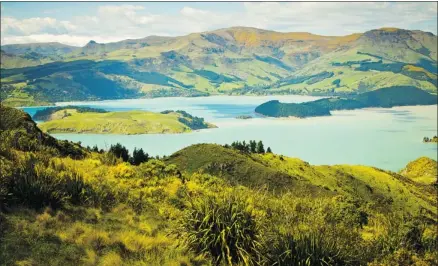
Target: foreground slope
235	60
214	206
380	188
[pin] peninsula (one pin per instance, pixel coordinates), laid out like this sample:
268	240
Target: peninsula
73	120
385	98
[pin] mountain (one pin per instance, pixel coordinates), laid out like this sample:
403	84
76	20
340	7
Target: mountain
235	60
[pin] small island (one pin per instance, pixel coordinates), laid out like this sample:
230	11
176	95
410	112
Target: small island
434	139
94	121
385	98
244	117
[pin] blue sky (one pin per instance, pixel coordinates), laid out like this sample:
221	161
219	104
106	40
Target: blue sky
76	23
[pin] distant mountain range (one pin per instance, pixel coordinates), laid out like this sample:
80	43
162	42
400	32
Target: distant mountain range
234	61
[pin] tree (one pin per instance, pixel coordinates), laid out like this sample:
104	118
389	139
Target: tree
139	156
120	151
260	148
253	146
269	150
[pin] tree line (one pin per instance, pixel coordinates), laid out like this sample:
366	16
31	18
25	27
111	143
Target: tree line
251	147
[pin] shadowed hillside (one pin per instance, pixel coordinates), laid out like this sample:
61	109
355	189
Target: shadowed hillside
235	60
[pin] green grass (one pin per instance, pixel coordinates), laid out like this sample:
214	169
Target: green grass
62	204
422	170
130	122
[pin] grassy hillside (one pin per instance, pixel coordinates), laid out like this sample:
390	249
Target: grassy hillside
422	170
72	120
214	206
235	60
384	97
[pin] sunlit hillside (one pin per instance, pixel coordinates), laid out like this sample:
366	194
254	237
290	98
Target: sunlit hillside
207	204
235	60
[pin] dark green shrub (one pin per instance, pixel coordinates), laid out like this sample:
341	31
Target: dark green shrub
120	151
224	229
138	157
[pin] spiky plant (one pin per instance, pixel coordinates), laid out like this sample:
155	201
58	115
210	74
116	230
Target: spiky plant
305	249
224	229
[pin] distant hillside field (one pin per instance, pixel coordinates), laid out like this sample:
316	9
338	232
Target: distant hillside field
236	61
72	120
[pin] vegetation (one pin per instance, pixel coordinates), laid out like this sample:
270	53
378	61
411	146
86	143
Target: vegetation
193	122
46	114
385	97
244	117
62	204
233	61
251	147
276	109
129	122
422	170
433	139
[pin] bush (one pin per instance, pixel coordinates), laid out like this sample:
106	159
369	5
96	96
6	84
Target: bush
37	184
224	229
120	151
311	248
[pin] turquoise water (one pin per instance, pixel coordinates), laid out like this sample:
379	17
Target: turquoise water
385	138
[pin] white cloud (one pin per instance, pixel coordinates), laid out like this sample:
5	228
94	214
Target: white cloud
116	22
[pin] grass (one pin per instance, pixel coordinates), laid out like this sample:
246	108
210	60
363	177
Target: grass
130	122
422	170
205	205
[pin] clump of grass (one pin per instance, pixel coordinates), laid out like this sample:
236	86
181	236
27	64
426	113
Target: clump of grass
310	248
37	183
111	259
224	229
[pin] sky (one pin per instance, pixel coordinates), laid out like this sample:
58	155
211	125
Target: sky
76	23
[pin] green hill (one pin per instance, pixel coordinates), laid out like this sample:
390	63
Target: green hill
74	120
381	189
62	204
384	97
234	61
422	170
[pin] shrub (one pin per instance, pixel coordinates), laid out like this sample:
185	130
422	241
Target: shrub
37	184
311	248
120	151
224	229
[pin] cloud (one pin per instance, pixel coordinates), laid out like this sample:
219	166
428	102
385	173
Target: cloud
12	26
118	22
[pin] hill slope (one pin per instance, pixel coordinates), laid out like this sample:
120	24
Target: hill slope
384	97
235	60
423	170
72	120
61	209
368	185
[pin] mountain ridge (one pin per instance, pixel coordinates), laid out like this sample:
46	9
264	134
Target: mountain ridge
233	61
